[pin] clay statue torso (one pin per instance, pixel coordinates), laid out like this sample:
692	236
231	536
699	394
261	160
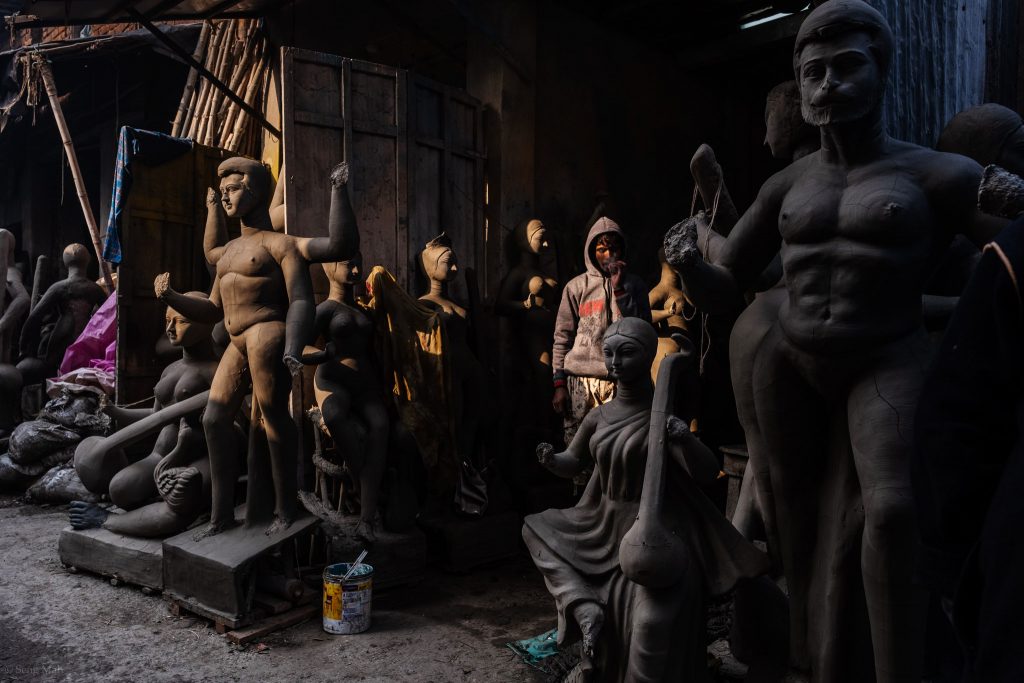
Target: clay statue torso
183	379
252	286
876	219
350	330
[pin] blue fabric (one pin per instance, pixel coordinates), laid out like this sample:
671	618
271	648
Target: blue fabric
534	650
146	147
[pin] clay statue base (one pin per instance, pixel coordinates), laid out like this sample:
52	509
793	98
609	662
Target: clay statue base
137	561
398	559
214	576
463	544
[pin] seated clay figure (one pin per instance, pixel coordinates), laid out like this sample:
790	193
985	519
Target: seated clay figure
640	614
71	302
14	304
167	490
347	388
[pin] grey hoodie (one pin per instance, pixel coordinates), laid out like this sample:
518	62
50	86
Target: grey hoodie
588	307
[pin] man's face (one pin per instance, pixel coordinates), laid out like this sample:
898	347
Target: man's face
839	79
235	195
608	252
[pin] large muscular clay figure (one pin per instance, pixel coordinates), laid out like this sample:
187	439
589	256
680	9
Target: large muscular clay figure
861	224
264	293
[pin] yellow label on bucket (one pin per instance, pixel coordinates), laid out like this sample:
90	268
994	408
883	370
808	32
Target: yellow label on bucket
332	601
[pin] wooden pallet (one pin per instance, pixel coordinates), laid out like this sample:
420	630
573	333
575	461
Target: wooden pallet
269	614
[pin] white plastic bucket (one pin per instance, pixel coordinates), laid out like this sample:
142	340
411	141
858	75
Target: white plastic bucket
347	605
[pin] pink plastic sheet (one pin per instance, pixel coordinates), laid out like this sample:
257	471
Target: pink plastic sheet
96	347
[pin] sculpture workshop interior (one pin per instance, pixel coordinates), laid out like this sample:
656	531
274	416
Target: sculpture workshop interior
509	340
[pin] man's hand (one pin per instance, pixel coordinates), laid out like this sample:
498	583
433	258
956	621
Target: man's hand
161	285
616	271
560	401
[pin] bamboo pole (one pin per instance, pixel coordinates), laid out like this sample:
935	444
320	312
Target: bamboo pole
190	82
250	94
238	120
212	58
76	170
239	78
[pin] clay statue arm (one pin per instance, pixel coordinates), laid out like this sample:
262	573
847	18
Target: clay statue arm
215	236
16	310
200	310
301	310
342	241
569	462
277	206
690	453
707	174
29	341
127	416
749	248
507	301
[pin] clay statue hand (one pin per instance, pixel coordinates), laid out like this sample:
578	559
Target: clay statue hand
212	197
339	175
294	365
676	428
528	303
560	401
546	455
681	250
161	285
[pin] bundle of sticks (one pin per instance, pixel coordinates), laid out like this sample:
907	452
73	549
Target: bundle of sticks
237	54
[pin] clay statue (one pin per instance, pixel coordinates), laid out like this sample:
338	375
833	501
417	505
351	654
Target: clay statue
264	293
178	468
527	296
14	304
72	302
668	312
347	388
467	400
859	223
630	566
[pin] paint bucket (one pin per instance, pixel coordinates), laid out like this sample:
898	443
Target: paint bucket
347	605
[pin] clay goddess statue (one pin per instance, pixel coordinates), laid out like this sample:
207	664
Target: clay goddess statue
837	377
640	614
264	293
178	468
347	388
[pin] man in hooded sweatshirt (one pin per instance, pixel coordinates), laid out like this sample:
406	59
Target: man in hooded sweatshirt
590	303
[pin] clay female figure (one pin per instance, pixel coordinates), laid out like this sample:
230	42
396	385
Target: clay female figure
14	304
632	631
668	304
467	399
347	388
72	300
178	469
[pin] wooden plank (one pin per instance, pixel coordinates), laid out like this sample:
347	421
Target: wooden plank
272	624
272	605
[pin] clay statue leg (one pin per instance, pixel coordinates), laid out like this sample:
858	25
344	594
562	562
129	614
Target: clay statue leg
377	429
881	414
181	506
226	393
336	407
133	486
271	386
793	421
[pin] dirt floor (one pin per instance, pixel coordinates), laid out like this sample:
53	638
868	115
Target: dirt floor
60	626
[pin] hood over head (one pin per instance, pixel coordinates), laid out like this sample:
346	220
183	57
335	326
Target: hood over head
601	226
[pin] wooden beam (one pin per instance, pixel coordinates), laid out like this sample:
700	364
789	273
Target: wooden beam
219	7
158	9
204	72
116	10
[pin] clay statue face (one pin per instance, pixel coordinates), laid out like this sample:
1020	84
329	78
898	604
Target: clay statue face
445	265
536	235
182	332
346	272
236	196
839	79
625	358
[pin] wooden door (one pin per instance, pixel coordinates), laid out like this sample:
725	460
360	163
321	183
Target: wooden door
161	231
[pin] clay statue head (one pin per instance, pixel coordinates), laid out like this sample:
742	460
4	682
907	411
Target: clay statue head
987	133
245	186
345	272
76	256
630	345
438	259
183	332
841	60
785	128
7	245
531	236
